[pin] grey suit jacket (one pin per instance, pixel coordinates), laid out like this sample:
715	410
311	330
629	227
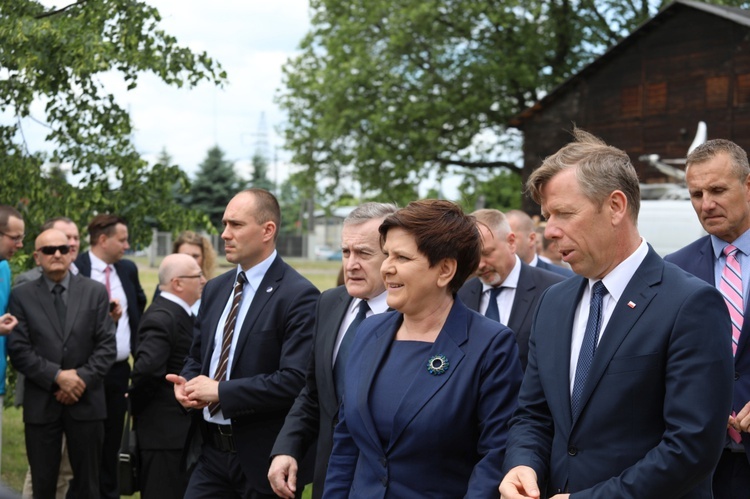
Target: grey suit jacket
39	347
532	282
315	411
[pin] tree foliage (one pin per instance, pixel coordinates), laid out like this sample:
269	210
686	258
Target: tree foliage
259	177
214	185
53	60
385	91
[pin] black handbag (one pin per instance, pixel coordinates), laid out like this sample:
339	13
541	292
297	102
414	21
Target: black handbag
127	466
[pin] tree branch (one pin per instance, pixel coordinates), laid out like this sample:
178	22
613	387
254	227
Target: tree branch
60	10
478	164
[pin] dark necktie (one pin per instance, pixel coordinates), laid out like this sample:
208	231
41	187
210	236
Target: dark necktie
57	292
339	366
492	311
226	342
588	347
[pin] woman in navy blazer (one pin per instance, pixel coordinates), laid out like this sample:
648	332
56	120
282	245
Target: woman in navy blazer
431	386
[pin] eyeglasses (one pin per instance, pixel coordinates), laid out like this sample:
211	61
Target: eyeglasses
200	274
15	239
51	250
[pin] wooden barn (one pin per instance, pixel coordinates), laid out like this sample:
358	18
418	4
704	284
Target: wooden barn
646	95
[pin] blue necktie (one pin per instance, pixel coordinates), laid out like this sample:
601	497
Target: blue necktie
492	311
588	347
339	366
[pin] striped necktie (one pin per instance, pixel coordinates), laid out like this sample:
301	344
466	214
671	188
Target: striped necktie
731	287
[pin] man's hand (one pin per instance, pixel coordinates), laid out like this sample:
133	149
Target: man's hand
202	389
7	323
64	398
71	384
180	395
115	310
741	422
283	476
520	483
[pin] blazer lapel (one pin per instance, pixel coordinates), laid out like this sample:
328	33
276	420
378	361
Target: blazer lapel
640	290
521	303
73	306
330	330
48	305
424	387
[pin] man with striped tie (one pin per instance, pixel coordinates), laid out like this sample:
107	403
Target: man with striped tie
718	178
250	348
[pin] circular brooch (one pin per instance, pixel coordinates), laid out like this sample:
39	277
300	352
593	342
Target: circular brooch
437	365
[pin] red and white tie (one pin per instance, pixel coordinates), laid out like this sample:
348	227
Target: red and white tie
731	287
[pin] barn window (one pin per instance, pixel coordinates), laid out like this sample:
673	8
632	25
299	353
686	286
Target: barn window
631	101
656	98
717	91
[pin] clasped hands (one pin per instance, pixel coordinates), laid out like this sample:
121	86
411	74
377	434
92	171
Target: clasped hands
196	393
71	387
7	323
741	421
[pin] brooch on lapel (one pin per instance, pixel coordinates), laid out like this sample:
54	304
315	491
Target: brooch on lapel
437	365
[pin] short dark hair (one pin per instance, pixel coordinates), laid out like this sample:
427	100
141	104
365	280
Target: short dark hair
6	212
441	230
266	208
104	223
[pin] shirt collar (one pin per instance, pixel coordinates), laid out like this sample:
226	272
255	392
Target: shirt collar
619	277
97	263
255	274
51	284
378	304
742	243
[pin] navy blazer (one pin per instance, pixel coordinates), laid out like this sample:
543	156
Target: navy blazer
698	259
315	411
551	267
656	401
532	282
131	285
449	433
268	367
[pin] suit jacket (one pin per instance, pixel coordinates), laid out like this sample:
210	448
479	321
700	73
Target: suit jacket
39	347
532	282
565	272
655	404
450	430
315	411
698	259
268	367
128	274
164	339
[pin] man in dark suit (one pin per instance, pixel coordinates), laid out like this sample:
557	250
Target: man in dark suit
315	411
522	226
246	365
505	279
164	338
64	345
104	263
629	380
718	178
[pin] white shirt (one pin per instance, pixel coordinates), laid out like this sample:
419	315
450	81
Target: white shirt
615	282
116	292
505	297
254	277
377	305
179	301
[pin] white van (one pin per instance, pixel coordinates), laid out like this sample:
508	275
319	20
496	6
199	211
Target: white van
669	224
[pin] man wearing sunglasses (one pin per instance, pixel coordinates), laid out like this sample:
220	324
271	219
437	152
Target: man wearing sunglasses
64	345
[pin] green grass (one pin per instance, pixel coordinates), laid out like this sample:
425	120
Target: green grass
14	464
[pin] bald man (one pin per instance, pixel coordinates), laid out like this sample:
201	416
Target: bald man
64	344
522	226
164	338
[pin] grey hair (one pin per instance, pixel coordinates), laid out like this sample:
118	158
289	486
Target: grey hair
495	220
368	211
712	148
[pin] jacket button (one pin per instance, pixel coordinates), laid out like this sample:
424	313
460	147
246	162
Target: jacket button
572	451
383	462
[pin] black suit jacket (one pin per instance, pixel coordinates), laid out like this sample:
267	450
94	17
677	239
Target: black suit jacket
551	267
128	274
164	339
315	411
698	259
39	347
268	367
532	282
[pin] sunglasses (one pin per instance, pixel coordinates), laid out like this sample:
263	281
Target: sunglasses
51	250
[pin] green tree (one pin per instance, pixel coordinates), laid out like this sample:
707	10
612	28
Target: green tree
56	57
498	188
383	92
214	185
